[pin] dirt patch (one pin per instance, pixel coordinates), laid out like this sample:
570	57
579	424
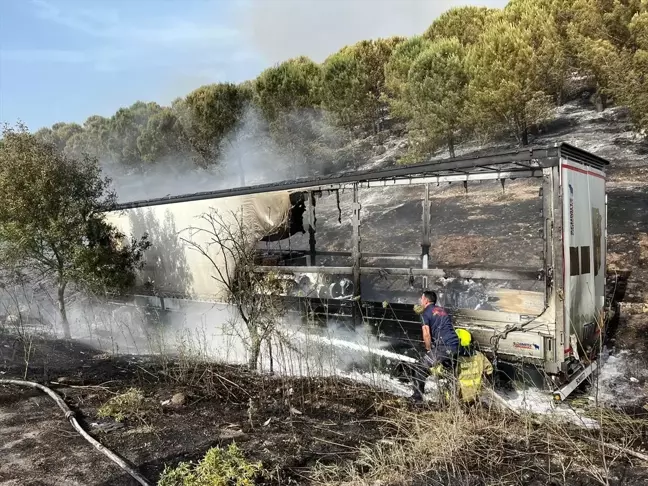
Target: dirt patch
288	424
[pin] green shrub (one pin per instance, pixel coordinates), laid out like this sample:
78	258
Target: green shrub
219	467
131	405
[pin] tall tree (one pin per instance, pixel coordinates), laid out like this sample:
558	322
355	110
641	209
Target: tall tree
59	134
162	137
436	95
465	23
353	81
92	140
540	19
397	69
509	69
599	35
630	85
125	127
289	96
209	114
292	85
52	222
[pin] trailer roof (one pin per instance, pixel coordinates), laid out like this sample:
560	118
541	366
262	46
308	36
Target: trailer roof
519	163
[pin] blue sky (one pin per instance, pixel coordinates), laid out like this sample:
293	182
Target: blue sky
64	60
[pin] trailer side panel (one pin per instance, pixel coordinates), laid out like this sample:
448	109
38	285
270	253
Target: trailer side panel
583	190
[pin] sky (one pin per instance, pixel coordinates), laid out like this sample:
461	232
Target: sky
65	60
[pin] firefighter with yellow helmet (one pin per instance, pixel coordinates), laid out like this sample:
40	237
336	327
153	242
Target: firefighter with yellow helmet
449	350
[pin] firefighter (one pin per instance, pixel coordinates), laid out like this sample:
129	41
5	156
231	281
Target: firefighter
440	340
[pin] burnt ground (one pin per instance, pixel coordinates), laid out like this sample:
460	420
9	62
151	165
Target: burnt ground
288	424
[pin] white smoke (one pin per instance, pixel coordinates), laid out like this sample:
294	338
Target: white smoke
248	156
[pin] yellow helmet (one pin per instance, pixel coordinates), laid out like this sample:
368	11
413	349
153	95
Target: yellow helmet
465	338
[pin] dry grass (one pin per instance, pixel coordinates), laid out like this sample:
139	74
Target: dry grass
482	446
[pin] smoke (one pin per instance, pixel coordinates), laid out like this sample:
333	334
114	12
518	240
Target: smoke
250	155
281	29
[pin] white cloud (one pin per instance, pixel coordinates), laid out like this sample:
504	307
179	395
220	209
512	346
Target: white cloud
126	36
44	55
281	29
110	24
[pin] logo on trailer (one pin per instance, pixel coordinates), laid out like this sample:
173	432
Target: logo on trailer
571	209
532	347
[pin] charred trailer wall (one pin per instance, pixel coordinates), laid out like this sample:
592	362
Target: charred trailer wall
172	267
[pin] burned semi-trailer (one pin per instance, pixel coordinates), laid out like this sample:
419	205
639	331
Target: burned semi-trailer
367	243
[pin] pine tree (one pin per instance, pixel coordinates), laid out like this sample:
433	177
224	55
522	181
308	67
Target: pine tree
511	69
599	37
465	23
353	82
436	95
396	71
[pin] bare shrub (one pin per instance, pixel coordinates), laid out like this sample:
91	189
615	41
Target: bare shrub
229	246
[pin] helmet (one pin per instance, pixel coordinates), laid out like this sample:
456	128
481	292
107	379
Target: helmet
465	338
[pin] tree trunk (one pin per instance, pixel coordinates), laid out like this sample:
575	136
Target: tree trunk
255	349
451	145
61	303
524	134
601	101
560	96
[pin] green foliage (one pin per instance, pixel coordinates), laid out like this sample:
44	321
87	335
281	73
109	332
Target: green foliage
292	85
52	218
92	140
130	405
289	98
124	129
537	19
353	81
512	68
465	23
209	115
219	467
162	137
397	69
599	36
436	93
630	85
59	134
519	59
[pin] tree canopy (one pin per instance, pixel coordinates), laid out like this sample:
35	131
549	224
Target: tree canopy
397	70
511	68
436	95
519	62
291	85
464	23
52	219
353	81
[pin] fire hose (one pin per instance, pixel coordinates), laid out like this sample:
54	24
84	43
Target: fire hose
69	414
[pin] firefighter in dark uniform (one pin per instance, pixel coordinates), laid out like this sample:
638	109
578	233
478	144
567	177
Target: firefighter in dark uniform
440	340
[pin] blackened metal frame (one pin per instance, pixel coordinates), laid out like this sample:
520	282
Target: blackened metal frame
534	162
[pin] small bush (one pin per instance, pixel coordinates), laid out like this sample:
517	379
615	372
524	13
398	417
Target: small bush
131	405
219	467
